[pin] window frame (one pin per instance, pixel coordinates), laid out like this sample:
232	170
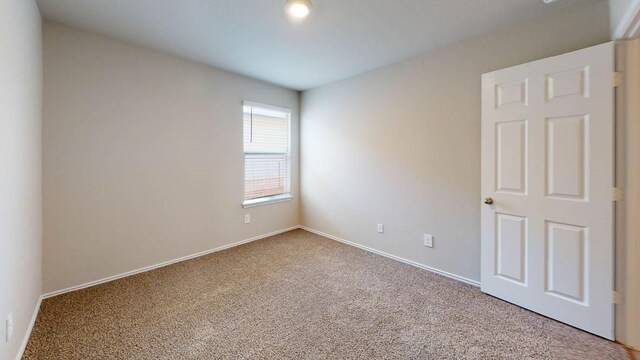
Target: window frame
275	198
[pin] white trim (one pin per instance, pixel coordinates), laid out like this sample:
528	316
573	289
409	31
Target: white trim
629	26
188	257
266	200
266	106
397	258
162	264
27	334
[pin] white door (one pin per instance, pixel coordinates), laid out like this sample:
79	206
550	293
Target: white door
547	166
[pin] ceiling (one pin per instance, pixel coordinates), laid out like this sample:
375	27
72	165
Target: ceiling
341	38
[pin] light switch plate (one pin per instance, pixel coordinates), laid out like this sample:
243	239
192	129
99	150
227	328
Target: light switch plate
247	218
380	228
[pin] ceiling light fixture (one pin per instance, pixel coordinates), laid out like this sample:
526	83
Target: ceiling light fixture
298	9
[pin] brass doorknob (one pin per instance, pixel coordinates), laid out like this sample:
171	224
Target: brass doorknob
488	201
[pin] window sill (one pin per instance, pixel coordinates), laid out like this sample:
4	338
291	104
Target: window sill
266	200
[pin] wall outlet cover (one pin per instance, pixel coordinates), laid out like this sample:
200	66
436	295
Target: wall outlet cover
428	240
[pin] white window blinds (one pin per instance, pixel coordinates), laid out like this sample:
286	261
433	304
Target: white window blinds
266	151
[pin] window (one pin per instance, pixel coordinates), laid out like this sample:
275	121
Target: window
267	176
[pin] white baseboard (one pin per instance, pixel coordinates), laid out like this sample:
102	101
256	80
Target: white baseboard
206	252
397	258
162	264
27	334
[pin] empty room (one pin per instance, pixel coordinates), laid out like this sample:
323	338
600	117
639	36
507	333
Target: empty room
319	179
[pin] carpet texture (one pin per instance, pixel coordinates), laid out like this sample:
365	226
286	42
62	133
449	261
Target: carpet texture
298	295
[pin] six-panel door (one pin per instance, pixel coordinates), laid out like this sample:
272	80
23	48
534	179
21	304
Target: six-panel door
547	164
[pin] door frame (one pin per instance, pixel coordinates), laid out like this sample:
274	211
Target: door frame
627	232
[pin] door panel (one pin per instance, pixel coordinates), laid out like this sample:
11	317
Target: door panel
566	261
511	156
511	246
567	156
547	163
568	83
511	94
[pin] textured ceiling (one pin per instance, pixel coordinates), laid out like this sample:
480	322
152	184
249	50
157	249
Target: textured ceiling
340	39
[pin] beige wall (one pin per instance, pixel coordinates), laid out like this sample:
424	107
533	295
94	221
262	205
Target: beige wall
20	167
401	145
143	158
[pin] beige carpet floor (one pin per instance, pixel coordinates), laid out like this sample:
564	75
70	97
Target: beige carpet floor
298	296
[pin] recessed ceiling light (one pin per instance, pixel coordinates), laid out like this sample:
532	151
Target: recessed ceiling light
549	1
298	9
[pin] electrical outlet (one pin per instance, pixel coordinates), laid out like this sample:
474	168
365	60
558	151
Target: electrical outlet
9	323
380	228
247	218
427	239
